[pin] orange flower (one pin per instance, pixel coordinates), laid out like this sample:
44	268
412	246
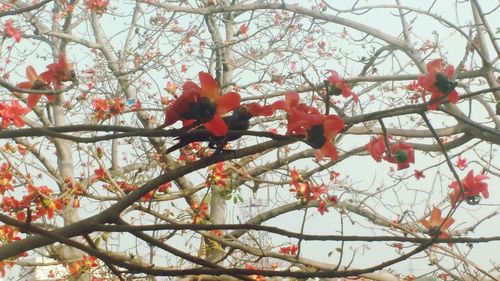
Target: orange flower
35	82
79	266
437	225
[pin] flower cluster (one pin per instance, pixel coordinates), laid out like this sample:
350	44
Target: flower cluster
200	212
400	153
206	105
97	6
105	108
78	267
12	114
57	73
45	203
39	202
11	31
217	176
306	192
5	178
289	250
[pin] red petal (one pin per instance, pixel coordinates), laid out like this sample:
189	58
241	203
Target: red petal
209	86
32	100
453	97
281	104
227	102
216	126
292	98
334	77
435	219
18	121
31	73
51	98
171	117
48	76
24	85
256	109
332	125
187	123
435	66
328	149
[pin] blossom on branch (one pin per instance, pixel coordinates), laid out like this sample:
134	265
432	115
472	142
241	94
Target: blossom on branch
376	147
60	71
436	225
97	6
437	82
35	82
11	31
472	187
203	104
12	113
338	86
402	154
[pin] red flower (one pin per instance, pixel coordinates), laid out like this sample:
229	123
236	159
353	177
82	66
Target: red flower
461	163
436	223
438	84
204	104
339	87
243	30
320	131
472	186
199	213
256	109
255	277
212	105
5	178
291	103
180	106
105	108
60	71
35	82
322	208
289	250
165	187
11	31
419	174
12	113
402	154
100	174
217	175
376	147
